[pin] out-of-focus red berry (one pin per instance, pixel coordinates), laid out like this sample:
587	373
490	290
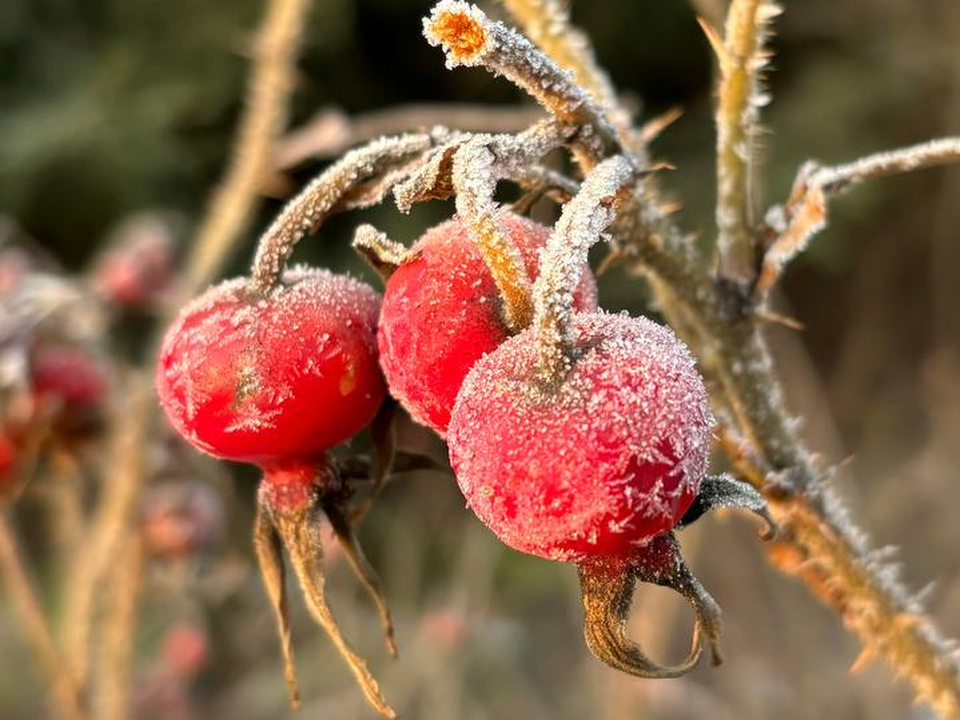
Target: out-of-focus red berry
186	651
181	518
67	374
138	269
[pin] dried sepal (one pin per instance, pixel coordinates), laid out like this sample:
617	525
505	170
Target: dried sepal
470	38
343	529
724	491
742	57
432	180
606	588
268	548
581	223
300	532
362	177
381	253
383	430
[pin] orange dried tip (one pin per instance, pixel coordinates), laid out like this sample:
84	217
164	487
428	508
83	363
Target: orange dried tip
461	33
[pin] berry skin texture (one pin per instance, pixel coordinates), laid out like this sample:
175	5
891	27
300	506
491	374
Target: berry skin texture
597	466
442	312
281	376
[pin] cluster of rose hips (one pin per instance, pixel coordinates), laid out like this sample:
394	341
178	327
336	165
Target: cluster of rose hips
54	373
582	438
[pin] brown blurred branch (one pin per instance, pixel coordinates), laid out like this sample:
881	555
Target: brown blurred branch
264	118
65	690
331	132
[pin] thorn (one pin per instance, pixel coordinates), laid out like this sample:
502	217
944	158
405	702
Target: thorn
716	42
652	129
776	318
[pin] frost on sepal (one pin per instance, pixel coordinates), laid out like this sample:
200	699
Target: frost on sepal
723	491
381	253
607	588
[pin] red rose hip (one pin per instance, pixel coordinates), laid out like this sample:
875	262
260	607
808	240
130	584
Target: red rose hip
283	375
442	312
599	466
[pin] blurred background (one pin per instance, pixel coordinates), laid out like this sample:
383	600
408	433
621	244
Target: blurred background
116	122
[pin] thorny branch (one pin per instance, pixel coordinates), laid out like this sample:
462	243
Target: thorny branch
742	58
722	326
805	212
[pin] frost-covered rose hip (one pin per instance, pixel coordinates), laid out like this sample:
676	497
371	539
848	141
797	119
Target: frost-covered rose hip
284	375
585	438
600	465
442	312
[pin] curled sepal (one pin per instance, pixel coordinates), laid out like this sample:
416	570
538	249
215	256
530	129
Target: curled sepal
362	570
606	588
267	544
380	252
300	532
723	491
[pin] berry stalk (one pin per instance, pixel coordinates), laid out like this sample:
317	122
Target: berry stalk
583	220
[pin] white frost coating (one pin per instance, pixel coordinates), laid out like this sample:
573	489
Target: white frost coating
605	460
261	338
583	220
470	38
386	155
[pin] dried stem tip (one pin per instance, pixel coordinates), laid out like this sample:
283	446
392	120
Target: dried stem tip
470	38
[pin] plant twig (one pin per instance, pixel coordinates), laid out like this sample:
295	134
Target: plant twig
332	132
65	691
362	178
119	632
470	38
583	220
114	514
742	58
805	212
264	118
547	24
717	323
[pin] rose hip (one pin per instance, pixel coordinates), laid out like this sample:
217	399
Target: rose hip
281	376
442	312
600	465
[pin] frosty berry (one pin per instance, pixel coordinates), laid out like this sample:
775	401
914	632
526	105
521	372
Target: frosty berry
285	375
600	465
442	312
